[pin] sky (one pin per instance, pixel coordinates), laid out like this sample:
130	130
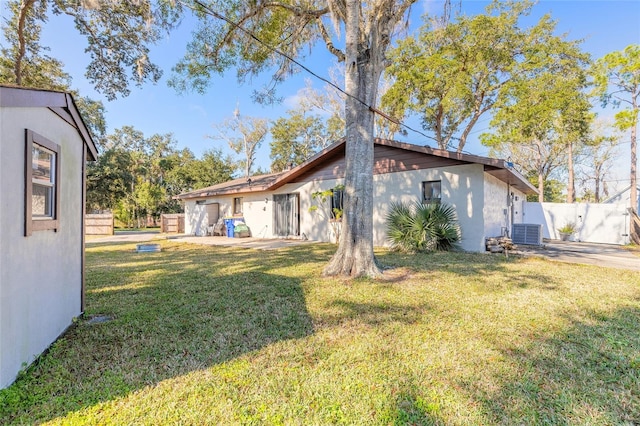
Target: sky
605	26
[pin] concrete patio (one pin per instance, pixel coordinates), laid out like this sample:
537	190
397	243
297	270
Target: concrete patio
249	242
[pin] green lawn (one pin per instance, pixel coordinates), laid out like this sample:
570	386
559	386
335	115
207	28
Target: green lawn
215	335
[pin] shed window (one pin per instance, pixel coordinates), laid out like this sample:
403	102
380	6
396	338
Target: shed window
431	191
42	189
237	206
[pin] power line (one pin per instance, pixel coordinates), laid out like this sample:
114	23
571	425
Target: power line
252	35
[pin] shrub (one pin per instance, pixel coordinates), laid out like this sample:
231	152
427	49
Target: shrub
568	228
417	227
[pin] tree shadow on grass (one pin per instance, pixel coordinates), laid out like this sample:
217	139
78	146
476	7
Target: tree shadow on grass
476	266
179	312
587	374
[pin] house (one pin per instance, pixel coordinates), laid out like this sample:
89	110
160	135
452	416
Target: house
623	197
44	146
486	193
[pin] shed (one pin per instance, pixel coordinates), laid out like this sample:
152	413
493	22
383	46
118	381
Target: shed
44	147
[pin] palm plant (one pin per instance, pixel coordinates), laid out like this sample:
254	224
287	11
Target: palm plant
417	227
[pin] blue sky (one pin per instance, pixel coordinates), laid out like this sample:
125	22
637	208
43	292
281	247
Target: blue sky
605	26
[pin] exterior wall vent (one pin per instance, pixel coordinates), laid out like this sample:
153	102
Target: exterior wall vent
527	233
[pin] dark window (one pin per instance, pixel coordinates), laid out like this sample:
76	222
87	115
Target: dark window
337	202
431	191
237	206
42	194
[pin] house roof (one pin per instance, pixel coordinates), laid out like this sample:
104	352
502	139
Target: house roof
60	103
410	157
256	183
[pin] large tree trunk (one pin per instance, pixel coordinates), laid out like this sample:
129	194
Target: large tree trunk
540	187
354	256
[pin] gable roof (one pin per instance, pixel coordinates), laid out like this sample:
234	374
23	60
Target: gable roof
60	103
390	157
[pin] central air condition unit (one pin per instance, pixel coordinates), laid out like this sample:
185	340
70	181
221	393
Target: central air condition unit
527	233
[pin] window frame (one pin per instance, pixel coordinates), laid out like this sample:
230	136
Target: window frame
32	224
237	206
428	200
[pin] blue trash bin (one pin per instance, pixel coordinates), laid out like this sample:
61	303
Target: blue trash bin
228	223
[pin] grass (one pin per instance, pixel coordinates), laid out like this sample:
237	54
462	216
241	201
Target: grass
217	335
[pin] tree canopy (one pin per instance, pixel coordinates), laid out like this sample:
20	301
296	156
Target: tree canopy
138	176
543	111
617	82
306	130
451	75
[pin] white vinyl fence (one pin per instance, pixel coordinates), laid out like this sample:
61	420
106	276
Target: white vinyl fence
595	223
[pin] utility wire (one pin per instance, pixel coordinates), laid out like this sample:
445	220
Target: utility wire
371	108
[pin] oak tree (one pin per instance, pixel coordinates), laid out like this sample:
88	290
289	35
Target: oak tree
357	33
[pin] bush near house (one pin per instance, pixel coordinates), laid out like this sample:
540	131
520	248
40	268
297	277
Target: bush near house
417	227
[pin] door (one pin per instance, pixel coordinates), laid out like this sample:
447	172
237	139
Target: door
213	213
286	215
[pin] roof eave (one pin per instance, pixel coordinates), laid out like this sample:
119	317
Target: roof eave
14	96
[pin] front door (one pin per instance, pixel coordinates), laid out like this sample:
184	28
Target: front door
286	215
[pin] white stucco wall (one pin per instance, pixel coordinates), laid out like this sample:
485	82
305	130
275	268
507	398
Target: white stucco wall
501	208
595	223
196	218
40	275
496	207
462	187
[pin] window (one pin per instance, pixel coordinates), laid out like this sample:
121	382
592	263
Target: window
431	191
337	205
237	206
42	189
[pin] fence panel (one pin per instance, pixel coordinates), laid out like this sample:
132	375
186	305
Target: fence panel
98	224
172	223
595	223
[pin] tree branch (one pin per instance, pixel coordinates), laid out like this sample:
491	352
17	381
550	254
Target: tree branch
25	7
327	41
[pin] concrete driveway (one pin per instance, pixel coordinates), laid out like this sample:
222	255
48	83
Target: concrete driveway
125	237
607	255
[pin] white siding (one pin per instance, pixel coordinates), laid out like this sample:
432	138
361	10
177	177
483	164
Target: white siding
40	275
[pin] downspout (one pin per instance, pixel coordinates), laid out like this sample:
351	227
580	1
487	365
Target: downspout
83	208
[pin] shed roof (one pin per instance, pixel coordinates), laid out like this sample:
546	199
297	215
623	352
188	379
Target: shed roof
60	103
500	169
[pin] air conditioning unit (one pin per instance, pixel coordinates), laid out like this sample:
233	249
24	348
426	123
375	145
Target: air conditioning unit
527	233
